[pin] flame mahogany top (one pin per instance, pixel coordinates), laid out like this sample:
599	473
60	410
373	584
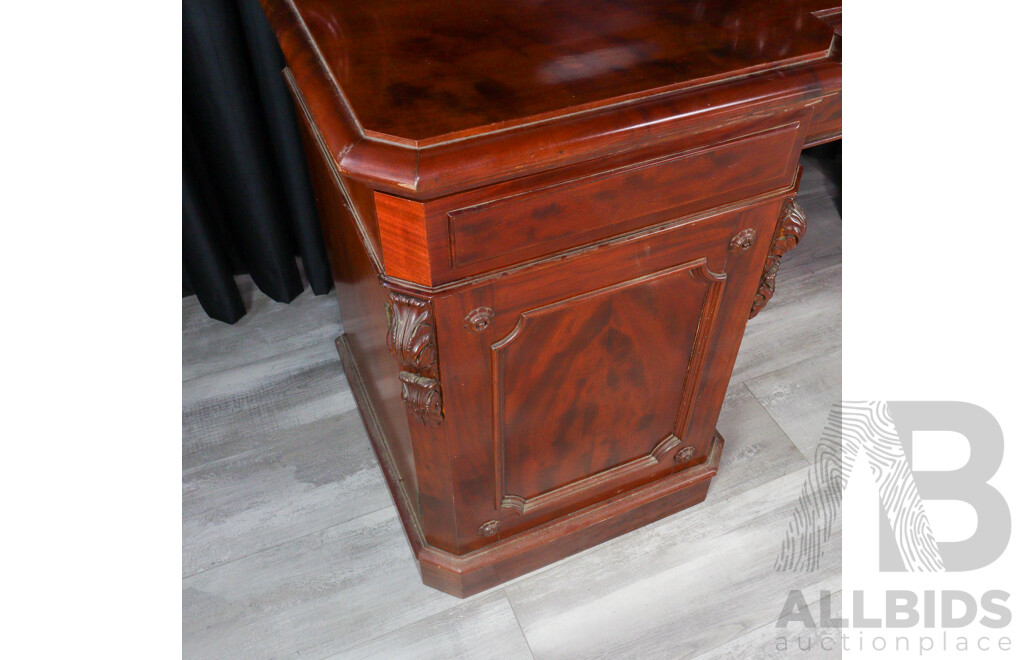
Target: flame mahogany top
395	84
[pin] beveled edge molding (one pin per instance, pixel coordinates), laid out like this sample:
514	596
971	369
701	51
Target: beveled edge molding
790	229
412	341
306	116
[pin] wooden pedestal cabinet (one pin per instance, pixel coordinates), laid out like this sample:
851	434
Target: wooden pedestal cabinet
543	303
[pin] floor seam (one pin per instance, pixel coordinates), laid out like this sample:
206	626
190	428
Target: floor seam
775	421
522	631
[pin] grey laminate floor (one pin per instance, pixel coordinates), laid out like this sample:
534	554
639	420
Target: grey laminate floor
292	546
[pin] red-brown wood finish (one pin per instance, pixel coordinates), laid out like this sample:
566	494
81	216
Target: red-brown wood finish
548	225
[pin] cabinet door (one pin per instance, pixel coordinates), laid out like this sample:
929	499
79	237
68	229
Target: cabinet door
576	379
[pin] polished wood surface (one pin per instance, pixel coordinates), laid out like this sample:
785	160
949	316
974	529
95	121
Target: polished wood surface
421	72
664	91
544	280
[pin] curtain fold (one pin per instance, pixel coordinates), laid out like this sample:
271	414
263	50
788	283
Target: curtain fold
247	203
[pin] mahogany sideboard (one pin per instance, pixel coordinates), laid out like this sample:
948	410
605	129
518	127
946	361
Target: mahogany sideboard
548	224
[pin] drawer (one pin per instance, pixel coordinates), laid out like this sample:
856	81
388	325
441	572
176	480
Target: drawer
511	229
827	121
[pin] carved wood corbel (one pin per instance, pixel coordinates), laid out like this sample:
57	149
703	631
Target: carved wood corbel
412	341
788	232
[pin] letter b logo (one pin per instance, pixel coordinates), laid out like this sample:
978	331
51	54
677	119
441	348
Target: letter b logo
967	484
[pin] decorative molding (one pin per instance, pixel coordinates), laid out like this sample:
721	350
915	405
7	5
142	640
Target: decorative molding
479	319
489	528
788	232
412	340
743	241
523	505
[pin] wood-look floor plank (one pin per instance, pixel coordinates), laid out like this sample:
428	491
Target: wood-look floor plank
317	595
673	590
314	477
268	328
484	627
247	408
795	641
756	450
799	396
822	244
802	321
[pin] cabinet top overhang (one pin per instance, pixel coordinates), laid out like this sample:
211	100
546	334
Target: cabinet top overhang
407	76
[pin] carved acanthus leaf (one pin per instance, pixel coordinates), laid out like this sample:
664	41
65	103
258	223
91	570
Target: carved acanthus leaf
411	337
788	232
412	340
422	395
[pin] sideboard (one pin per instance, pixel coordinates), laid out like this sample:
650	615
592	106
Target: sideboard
548	223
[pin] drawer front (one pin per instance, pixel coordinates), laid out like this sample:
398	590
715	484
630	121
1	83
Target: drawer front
512	229
578	379
827	121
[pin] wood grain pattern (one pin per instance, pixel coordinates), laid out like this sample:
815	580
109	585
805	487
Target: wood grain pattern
314	595
532	413
356	268
416	74
808	327
300	478
217	421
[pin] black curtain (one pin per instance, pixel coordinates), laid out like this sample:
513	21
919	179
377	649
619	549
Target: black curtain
247	204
